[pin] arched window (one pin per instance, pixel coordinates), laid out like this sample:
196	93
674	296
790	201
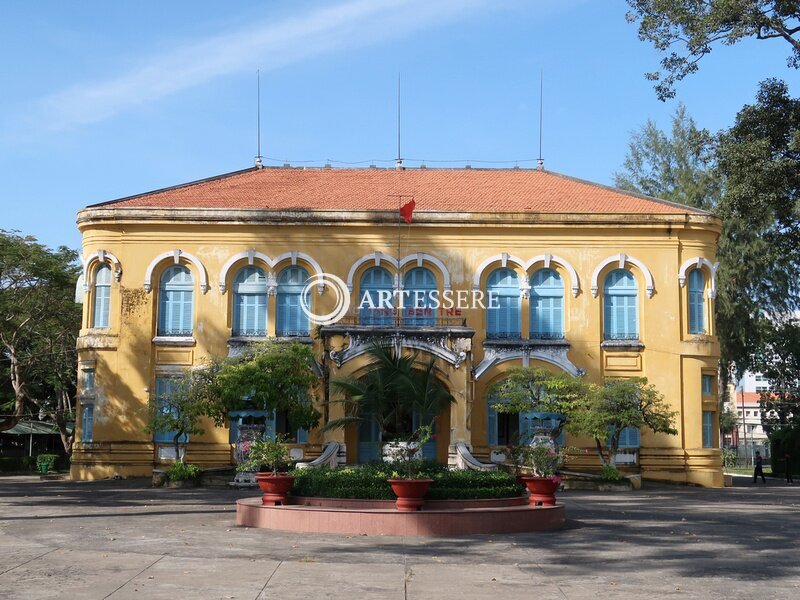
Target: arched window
378	286
547	305
417	287
102	297
250	302
697	312
176	302
502	304
292	321
621	306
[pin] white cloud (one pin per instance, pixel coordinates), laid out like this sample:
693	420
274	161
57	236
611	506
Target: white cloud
267	46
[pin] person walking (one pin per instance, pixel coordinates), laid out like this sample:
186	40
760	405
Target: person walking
759	470
788	458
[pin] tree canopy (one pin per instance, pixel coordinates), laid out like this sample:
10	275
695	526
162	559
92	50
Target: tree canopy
677	166
39	324
618	404
759	275
685	31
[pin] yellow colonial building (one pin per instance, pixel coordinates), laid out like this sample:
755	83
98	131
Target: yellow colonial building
588	279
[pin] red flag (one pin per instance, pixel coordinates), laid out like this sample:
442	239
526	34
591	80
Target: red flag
407	210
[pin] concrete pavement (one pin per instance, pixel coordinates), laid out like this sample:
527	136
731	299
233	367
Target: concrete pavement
123	539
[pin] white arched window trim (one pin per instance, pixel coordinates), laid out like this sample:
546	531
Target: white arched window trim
176	256
621	260
524	284
419	258
99	256
251	256
699	262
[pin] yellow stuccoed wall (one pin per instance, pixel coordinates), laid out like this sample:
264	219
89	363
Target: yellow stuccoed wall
126	359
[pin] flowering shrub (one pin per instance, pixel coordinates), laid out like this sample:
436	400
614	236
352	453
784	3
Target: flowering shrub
542	459
271	453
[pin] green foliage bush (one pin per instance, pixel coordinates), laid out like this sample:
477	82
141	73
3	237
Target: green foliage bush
10	464
368	482
728	458
181	471
609	473
48	461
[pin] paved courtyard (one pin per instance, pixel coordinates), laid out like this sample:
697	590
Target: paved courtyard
123	539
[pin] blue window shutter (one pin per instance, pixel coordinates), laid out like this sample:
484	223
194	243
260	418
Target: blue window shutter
418	279
547	304
302	436
102	297
526	424
708	429
87	422
291	320
503	321
369	440
176	302
620	311
491	424
373	281
696	302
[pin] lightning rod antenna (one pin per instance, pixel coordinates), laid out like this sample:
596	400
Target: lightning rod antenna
399	163
259	162
540	160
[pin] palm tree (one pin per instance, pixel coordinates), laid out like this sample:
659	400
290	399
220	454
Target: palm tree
394	388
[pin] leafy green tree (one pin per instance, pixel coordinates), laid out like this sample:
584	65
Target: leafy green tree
178	411
727	420
39	324
684	31
759	275
393	388
620	403
778	359
527	389
677	166
272	376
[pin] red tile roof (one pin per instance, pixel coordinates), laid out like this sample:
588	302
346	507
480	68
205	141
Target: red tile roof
750	398
442	190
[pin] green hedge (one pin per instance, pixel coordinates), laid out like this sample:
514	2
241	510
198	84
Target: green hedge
368	482
10	464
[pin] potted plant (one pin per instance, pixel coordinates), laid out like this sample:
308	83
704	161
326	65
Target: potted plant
406	485
543	460
266	457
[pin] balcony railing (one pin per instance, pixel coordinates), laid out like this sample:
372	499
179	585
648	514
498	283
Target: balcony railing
503	335
249	333
379	320
621	336
546	335
174	332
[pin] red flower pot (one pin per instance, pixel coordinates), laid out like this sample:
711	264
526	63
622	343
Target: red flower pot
542	489
410	493
275	487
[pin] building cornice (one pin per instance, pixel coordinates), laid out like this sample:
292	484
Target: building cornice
104	216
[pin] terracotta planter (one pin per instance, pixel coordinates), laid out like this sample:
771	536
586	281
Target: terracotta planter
275	487
542	489
410	493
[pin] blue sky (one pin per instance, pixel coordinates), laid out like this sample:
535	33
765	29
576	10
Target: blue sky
106	99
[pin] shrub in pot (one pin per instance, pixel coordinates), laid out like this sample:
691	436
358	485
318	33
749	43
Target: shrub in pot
409	488
267	457
543	460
